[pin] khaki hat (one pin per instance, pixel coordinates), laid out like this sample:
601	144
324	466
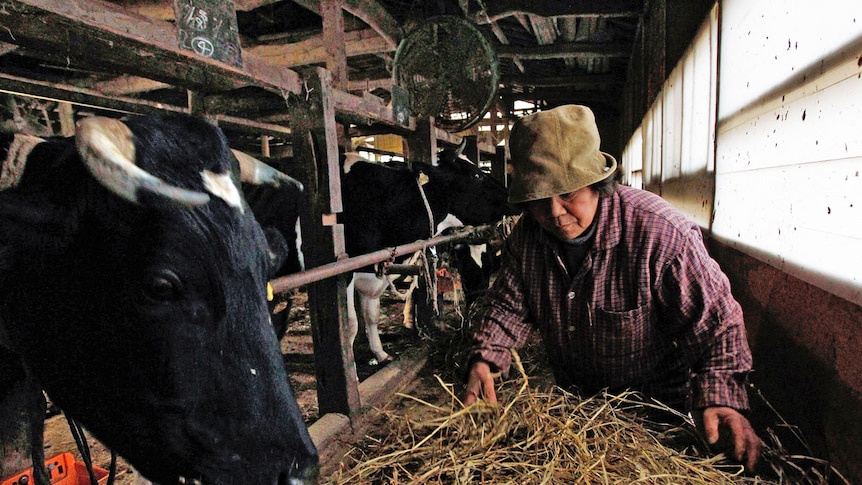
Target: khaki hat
555	152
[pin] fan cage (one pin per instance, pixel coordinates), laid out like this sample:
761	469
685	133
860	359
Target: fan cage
450	71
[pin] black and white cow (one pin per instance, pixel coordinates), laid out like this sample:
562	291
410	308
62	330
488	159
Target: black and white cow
132	288
385	207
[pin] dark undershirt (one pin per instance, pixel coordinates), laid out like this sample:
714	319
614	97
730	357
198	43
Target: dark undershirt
574	251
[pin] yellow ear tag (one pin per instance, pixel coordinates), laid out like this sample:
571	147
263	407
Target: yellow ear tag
423	179
269	292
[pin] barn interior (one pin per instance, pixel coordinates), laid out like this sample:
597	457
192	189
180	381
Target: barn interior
305	78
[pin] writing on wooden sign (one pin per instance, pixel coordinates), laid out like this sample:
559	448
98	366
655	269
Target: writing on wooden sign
209	28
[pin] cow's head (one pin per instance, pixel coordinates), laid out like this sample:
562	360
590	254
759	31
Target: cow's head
471	194
134	288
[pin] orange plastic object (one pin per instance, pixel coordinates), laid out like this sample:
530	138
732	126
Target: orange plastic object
63	469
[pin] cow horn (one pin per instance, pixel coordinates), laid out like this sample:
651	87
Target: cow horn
253	171
108	151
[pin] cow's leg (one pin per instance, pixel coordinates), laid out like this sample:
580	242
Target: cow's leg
36	408
352	318
369	289
408	313
371	314
22	416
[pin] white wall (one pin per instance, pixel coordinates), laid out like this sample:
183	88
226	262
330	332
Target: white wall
781	97
788	184
674	143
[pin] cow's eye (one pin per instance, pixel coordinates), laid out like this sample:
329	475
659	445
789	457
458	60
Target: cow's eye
162	286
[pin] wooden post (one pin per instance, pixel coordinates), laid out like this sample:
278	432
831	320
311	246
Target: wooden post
67	118
421	145
315	147
333	38
264	145
471	149
498	166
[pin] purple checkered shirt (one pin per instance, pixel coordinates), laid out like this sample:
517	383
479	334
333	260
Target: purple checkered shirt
648	310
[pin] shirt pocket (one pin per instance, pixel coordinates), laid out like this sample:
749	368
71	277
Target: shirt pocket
622	335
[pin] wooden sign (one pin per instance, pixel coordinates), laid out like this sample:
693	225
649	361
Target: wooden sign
209	28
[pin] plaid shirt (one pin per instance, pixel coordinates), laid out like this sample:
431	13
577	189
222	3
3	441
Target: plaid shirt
648	310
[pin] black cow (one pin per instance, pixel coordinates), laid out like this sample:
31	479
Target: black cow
278	210
384	207
132	288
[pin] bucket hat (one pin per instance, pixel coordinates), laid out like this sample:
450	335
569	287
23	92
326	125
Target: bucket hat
555	152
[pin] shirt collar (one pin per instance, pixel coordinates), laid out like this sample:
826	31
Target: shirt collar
609	230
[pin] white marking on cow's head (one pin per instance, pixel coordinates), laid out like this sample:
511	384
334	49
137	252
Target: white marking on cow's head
447	222
300	256
16	157
223	187
476	251
351	158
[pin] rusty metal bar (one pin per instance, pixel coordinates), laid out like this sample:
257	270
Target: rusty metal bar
280	285
403	269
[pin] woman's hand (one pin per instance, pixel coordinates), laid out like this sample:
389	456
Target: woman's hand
733	430
480	384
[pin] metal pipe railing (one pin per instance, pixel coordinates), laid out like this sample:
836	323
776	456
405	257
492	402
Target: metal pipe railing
284	283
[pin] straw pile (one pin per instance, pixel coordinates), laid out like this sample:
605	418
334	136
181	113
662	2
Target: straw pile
531	437
540	434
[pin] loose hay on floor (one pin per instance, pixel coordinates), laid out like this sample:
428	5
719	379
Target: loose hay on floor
531	437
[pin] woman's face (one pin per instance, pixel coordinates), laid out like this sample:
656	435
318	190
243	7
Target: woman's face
566	216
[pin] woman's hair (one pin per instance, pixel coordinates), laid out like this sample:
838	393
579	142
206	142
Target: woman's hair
607	186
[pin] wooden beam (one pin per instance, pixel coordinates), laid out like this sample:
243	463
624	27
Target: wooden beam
580	81
253	127
544	28
499	9
378	18
366	110
128	85
372	13
94	99
82	96
369	84
313	50
563	50
99	34
248	5
7	48
334	42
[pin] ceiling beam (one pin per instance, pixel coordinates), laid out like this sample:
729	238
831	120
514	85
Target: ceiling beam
313	50
128	85
99	34
93	99
371	12
563	50
499	9
582	81
82	96
544	28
